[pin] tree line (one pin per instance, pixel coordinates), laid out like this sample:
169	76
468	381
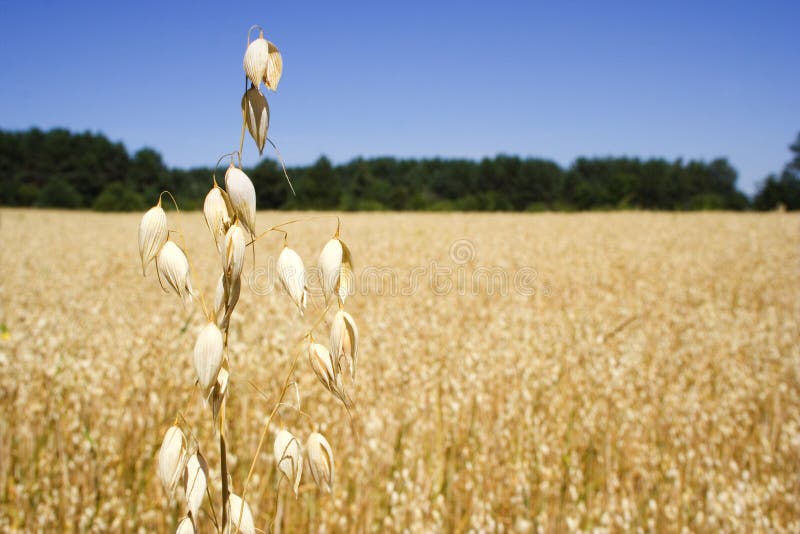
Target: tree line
58	168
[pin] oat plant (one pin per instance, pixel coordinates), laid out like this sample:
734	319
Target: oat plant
230	214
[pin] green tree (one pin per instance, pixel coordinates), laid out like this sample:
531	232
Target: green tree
318	189
58	193
784	190
118	196
147	173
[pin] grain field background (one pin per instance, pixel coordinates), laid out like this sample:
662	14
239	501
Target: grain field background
610	372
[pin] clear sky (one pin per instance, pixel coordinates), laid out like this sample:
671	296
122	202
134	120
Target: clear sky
412	79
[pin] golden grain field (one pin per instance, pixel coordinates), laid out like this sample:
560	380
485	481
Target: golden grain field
615	372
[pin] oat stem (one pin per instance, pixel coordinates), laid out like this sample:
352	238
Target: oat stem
223	467
284	389
254	26
216	166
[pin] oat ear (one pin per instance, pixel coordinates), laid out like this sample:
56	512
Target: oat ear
208	352
255	114
274	67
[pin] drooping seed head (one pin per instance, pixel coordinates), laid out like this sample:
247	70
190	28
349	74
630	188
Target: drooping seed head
174	268
186	526
171	458
322	364
194	479
344	340
274	67
256	59
292	273
330	265
216	213
263	62
327	371
219	300
153	233
320	461
242	195
346	282
225	298
288	458
208	355
240	516
233	261
255	112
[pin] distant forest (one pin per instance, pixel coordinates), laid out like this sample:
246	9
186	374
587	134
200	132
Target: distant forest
58	168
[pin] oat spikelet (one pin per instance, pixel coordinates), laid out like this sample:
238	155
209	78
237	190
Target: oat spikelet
274	67
330	265
288	458
216	213
322	364
255	112
240	516
242	195
194	480
320	461
234	252
225	299
292	273
208	355
173	267
344	341
256	59
220	300
153	234
346	281
218	393
171	458
327	372
185	527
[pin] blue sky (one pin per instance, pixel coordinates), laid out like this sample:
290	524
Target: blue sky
414	79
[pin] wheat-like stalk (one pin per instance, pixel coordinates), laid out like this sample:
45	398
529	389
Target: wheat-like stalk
229	214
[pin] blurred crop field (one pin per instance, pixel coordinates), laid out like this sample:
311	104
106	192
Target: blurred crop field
609	372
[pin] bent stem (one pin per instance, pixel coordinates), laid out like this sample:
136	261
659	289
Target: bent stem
216	166
253	27
287	223
264	432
